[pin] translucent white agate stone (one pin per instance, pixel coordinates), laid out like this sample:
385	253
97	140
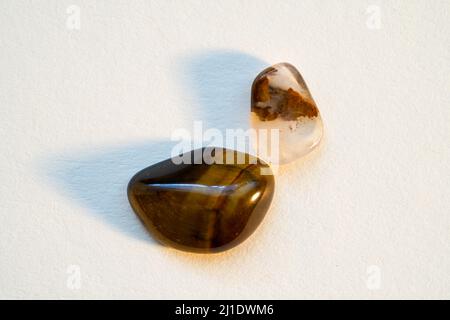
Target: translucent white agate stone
281	100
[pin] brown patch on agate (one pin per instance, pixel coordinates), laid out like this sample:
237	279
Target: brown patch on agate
261	90
287	104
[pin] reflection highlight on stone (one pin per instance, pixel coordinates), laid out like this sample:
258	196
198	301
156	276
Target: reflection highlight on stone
202	207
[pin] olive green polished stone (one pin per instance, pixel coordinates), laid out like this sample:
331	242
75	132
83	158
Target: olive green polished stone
202	207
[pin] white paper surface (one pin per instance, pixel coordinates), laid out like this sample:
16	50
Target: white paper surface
83	106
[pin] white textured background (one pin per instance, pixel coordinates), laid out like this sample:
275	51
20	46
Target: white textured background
81	110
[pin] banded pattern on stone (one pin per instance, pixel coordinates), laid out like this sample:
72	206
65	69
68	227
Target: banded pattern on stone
202	207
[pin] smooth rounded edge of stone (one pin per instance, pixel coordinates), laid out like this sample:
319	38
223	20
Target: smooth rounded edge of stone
252	225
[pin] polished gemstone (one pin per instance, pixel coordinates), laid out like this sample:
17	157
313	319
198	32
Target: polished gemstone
201	206
281	100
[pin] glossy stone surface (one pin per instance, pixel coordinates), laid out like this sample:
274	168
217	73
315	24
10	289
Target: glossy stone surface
202	207
281	100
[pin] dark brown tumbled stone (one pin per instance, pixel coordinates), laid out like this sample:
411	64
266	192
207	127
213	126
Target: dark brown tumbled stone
201	207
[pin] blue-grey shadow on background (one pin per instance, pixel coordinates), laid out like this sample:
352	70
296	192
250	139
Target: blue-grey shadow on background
220	82
97	179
